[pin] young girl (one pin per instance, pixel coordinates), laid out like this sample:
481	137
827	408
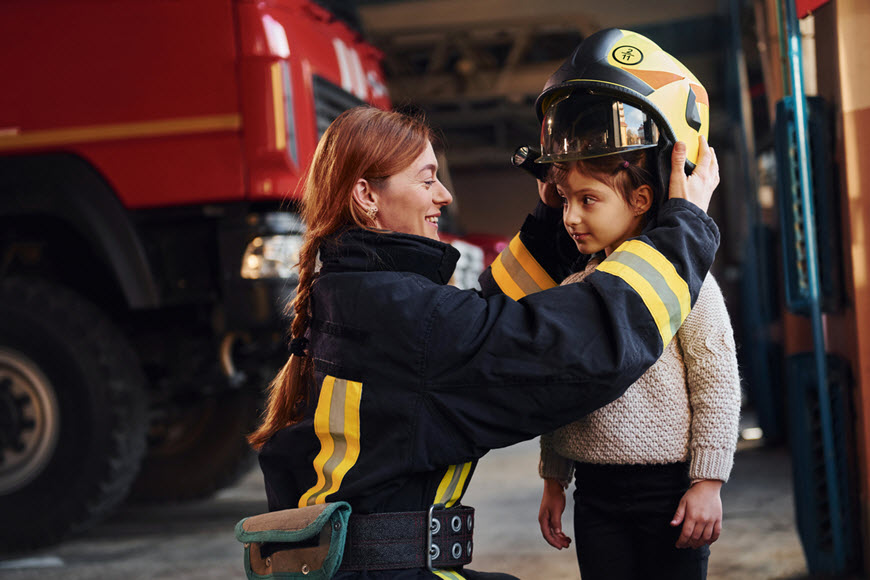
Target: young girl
649	466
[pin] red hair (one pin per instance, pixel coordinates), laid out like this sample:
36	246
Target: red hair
362	143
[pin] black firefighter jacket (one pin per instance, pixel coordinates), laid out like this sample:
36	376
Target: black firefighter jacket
415	380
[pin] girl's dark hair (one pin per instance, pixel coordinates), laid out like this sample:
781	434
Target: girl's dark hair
362	143
624	172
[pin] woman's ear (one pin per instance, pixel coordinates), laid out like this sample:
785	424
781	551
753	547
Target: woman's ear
641	199
364	196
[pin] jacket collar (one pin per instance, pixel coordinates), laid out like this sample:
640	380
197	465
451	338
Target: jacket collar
359	250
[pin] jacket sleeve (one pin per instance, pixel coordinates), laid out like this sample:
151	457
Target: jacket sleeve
500	371
710	356
539	257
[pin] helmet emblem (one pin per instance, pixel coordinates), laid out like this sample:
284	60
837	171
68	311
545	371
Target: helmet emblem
629	55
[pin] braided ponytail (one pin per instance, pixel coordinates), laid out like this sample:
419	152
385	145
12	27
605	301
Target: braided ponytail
362	143
290	389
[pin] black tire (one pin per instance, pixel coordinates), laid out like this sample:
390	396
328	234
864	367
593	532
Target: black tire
200	449
73	414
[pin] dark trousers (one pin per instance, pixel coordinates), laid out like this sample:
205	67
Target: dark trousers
622	530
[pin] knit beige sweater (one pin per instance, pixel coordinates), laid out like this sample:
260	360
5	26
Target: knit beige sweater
686	407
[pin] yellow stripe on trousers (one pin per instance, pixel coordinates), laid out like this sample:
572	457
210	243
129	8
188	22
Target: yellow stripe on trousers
452	484
517	272
336	423
448	574
654	278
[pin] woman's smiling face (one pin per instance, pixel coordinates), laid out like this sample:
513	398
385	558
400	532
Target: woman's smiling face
410	201
597	216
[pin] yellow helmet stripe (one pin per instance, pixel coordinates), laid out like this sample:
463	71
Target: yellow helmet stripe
337	426
665	294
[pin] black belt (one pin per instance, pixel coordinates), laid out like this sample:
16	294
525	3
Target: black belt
437	538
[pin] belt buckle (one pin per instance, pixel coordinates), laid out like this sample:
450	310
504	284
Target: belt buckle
429	544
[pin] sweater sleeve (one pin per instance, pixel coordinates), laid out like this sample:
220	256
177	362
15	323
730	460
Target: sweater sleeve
553	465
713	379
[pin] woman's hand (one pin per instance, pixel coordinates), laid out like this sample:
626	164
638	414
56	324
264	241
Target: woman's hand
550	514
700	512
547	193
697	187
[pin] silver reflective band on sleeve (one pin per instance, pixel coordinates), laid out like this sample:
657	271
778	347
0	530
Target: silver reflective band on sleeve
518	273
337	426
665	294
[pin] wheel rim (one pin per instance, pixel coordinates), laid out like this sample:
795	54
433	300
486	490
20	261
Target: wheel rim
29	421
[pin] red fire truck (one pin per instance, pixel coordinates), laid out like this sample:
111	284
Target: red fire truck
149	153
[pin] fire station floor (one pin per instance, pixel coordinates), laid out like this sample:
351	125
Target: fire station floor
194	540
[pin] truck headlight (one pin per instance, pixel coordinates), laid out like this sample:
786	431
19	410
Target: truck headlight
271	257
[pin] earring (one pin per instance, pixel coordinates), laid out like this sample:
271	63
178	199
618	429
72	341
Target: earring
371	212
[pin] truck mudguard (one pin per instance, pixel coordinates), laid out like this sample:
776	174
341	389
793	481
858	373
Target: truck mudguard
68	187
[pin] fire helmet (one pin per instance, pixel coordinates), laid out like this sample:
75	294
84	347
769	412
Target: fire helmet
619	91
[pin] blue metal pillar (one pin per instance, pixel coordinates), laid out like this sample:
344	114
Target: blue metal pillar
813	295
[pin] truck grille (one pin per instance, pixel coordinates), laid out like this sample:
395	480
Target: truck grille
329	102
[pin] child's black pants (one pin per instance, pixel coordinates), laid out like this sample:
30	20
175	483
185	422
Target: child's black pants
622	530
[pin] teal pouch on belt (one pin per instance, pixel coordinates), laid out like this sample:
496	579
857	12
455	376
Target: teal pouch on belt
300	543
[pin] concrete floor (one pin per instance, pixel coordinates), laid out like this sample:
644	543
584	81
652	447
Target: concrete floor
195	540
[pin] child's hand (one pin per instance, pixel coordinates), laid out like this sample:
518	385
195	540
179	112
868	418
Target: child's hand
550	514
699	186
547	193
700	512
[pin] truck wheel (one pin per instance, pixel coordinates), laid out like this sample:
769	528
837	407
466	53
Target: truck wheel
200	449
72	414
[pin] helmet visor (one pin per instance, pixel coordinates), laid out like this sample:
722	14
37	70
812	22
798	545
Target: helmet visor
581	127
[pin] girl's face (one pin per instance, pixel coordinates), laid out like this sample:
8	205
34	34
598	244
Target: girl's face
410	201
597	216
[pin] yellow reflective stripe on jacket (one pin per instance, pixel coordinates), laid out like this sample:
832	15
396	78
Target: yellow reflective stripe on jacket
654	278
517	272
448	574
336	423
452	484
